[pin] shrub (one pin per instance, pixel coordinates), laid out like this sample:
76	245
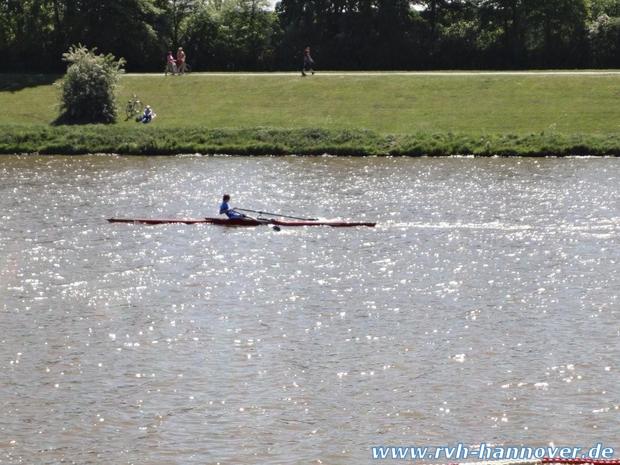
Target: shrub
88	86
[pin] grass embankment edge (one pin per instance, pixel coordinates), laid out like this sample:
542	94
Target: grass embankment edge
151	140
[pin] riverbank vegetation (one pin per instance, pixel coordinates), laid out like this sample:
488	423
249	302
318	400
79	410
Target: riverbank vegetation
89	87
400	114
152	140
353	34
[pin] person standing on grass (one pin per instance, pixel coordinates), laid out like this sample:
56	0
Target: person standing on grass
181	67
308	62
171	64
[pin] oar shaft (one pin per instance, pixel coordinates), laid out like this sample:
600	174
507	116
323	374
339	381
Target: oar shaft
275	214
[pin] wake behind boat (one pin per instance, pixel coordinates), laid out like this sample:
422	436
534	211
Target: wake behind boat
241	222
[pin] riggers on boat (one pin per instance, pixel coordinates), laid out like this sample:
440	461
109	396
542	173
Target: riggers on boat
240	222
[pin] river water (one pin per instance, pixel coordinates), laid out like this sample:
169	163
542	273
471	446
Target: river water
484	308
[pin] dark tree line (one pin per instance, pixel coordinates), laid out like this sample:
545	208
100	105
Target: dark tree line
344	34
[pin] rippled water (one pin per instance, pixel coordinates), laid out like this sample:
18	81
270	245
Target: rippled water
483	308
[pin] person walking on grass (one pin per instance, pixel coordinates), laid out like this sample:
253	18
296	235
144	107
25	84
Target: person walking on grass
171	64
181	66
308	62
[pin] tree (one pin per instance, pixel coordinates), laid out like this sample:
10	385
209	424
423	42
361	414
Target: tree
344	34
598	8
88	86
432	12
349	33
557	30
245	31
604	34
121	27
26	34
174	19
201	39
504	26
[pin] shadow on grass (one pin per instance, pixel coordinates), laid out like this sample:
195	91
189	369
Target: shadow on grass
64	120
15	82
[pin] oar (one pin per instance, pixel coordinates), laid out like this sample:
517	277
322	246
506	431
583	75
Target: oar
274	227
265	222
275	214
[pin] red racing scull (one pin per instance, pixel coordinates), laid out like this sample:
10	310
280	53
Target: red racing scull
240	222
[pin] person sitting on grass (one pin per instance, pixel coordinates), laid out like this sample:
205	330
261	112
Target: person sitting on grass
171	64
148	115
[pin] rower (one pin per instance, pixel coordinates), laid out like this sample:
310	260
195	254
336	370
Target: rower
229	212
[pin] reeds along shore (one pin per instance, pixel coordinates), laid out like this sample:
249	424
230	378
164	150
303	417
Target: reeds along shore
152	140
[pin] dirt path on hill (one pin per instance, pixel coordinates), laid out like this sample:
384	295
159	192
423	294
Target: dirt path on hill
403	73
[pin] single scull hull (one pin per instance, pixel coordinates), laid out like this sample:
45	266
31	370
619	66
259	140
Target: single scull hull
240	222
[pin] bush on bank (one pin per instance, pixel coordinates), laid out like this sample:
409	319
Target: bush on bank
145	140
88	87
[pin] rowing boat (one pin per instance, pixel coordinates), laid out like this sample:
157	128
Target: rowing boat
240	222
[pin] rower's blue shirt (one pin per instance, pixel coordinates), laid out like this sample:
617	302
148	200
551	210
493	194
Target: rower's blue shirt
225	210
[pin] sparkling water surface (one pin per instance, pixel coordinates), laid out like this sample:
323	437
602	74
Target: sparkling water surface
483	308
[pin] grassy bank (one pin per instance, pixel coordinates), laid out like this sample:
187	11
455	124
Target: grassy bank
153	140
338	114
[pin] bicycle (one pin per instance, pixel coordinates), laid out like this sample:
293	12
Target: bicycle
176	70
171	68
133	108
184	69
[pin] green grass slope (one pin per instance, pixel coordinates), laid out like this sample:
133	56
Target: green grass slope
578	113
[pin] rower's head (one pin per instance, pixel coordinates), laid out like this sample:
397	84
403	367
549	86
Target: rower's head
226	198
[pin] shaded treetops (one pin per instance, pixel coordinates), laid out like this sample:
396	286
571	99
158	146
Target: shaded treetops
344	34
